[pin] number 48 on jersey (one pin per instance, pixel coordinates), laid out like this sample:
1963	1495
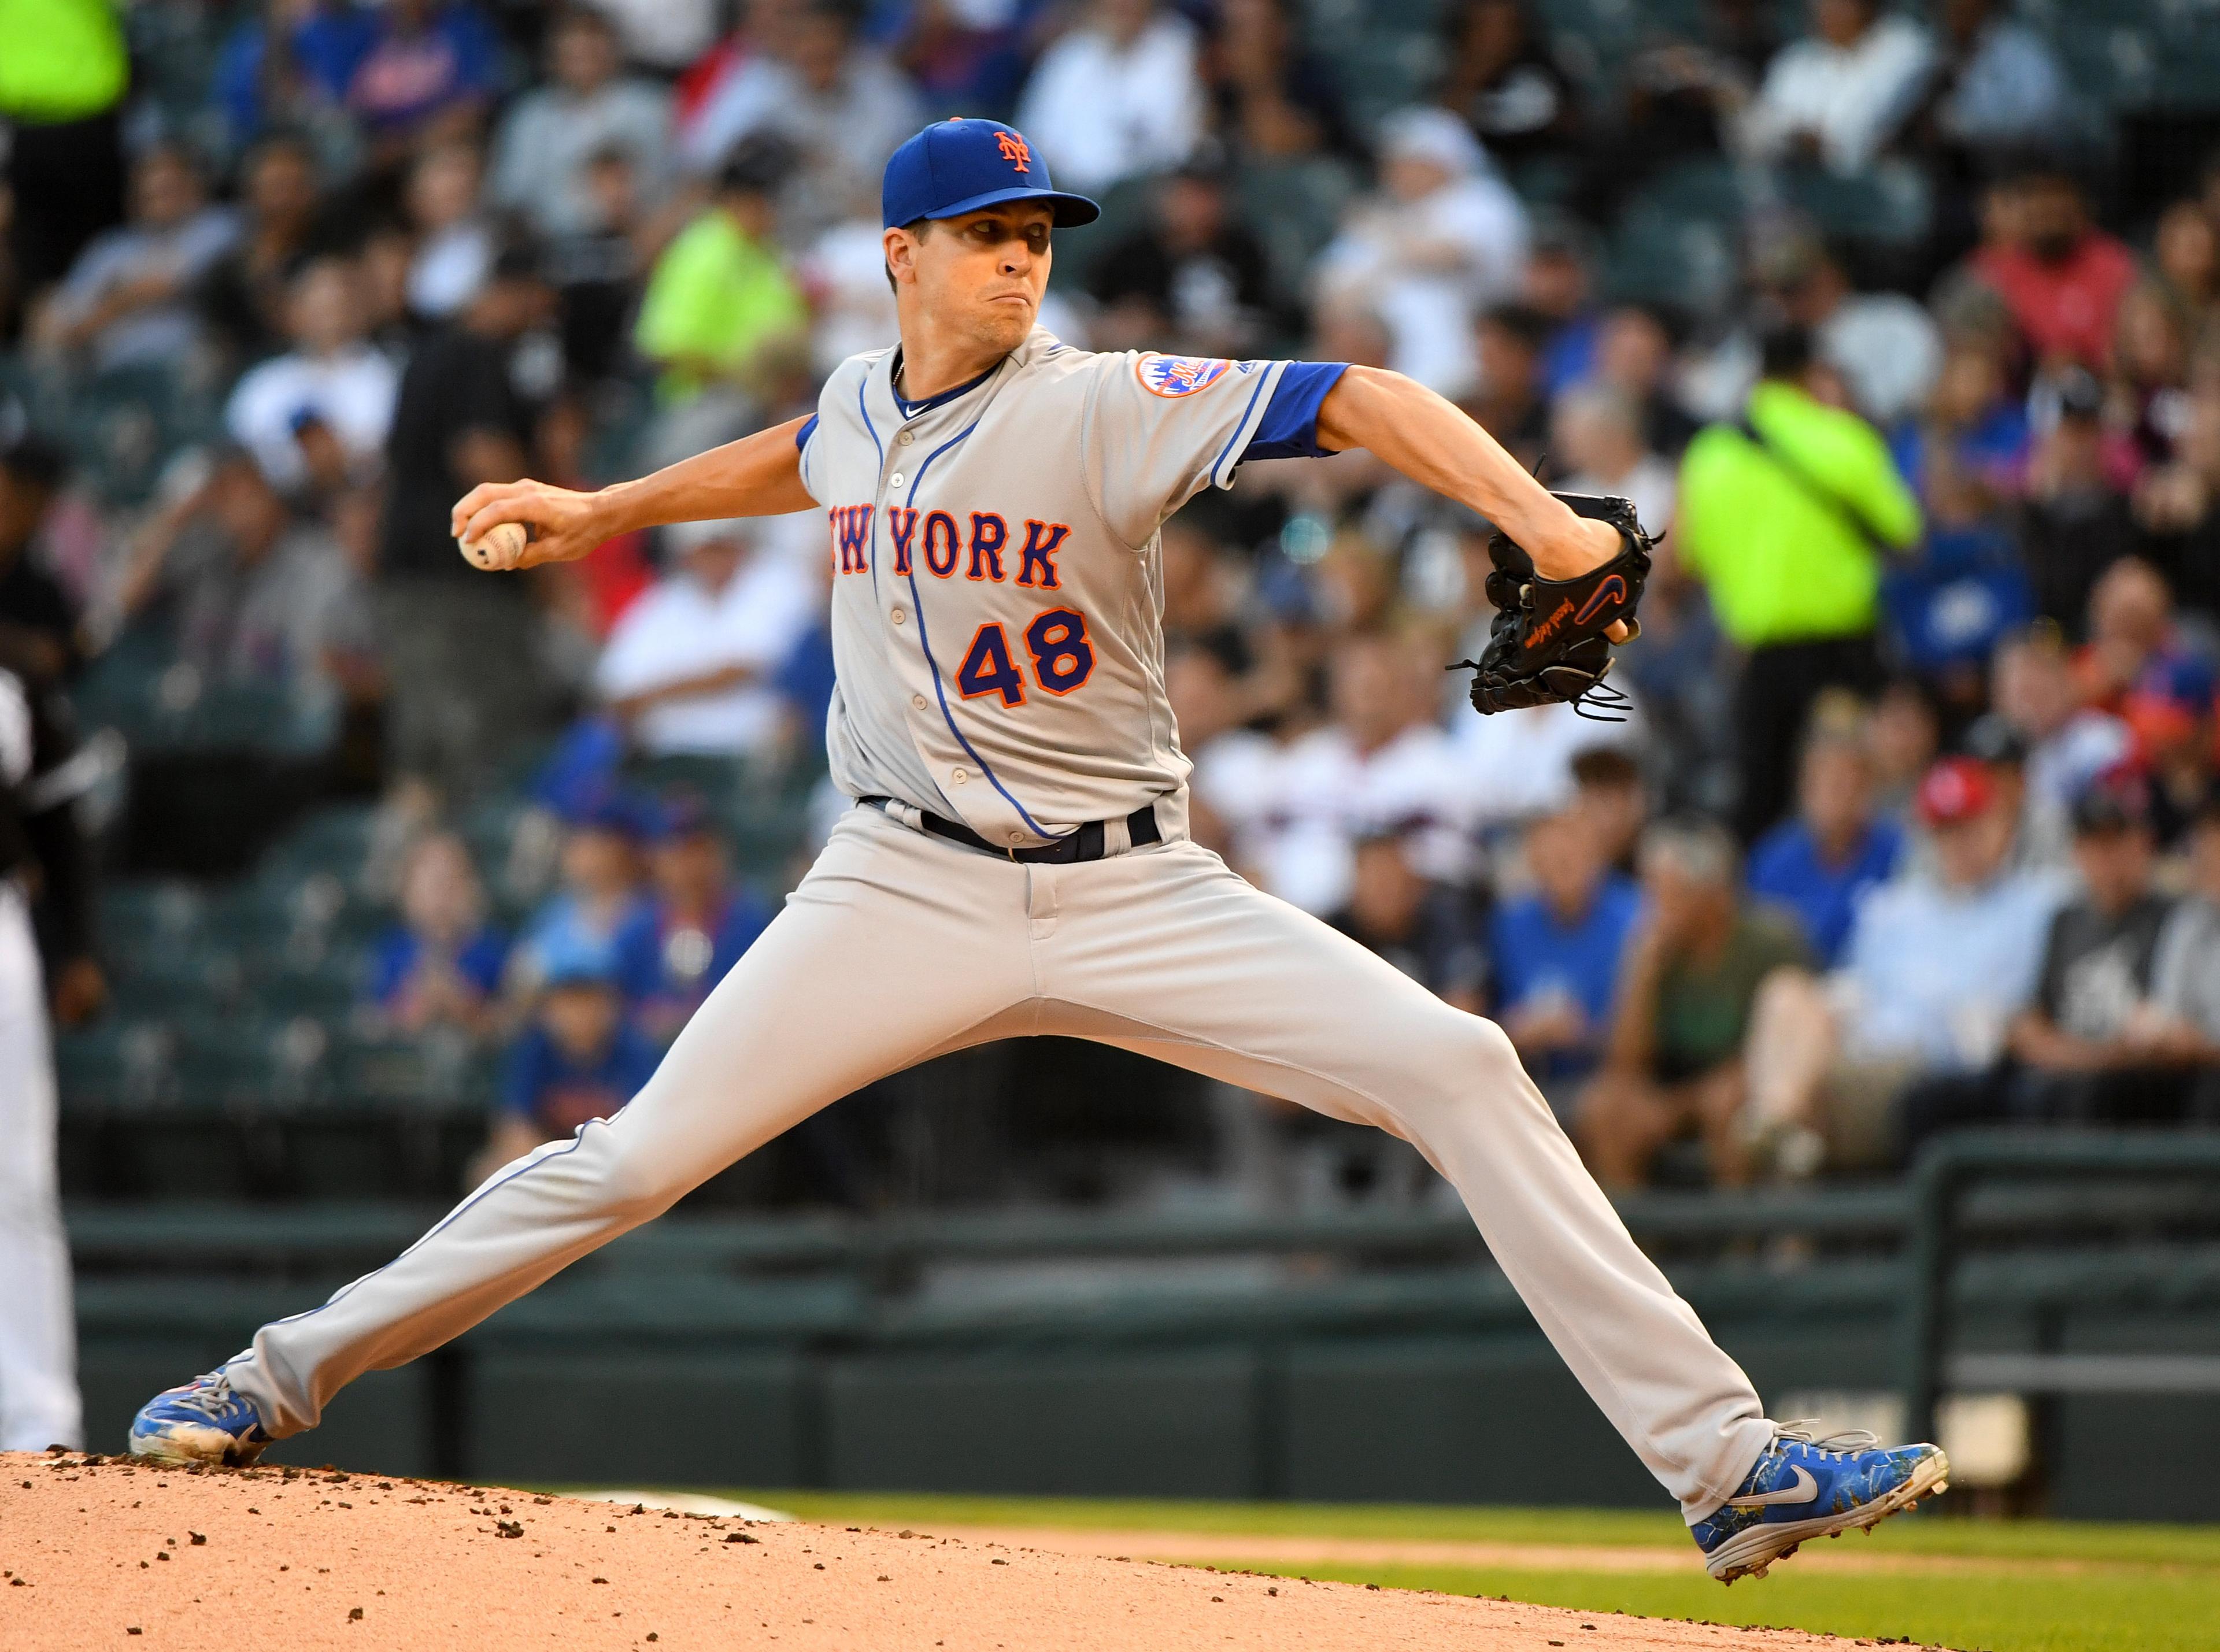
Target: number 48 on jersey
1062	658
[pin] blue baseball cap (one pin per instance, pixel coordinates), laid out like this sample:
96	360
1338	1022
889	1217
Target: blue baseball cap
957	166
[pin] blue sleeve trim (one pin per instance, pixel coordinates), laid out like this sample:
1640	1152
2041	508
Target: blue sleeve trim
801	436
1289	427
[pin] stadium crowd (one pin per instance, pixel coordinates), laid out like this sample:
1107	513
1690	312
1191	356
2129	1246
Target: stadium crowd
1914	822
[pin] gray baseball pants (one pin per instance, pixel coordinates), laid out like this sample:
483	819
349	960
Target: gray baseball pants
898	946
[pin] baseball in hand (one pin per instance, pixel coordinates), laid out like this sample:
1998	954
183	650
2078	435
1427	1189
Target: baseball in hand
499	549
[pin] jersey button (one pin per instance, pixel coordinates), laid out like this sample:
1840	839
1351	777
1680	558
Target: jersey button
1017	836
959	776
897	616
895	479
906	439
916	701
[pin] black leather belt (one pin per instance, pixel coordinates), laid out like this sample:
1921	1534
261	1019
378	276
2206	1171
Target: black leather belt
1086	843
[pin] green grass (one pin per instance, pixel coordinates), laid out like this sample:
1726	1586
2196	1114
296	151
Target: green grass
2024	1586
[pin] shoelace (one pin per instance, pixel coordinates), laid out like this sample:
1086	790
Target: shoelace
211	1399
1839	1443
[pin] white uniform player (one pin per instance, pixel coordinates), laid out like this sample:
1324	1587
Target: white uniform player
1018	861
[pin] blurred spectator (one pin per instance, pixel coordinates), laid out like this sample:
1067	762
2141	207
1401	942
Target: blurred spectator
2073	524
441	965
1634	357
1686	93
1558	949
1559	282
2068	744
258	595
455	243
665	36
1819	863
2182	1023
1999	85
432	68
127	299
468	679
1445	238
1839	96
596	268
585	109
2170	713
2079	1044
1273	99
1382	764
1596	435
327	403
1694	967
1783	520
600	904
244	297
1883	344
1608	795
2131	630
64	72
720	305
1508	342
579	1059
841	107
290	65
1194	280
686	666
703	920
2178	506
1505	82
1117	96
2061	276
963	54
2185	254
1427	931
38	622
1938	963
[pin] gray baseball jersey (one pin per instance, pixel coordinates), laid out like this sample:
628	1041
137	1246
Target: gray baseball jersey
997	594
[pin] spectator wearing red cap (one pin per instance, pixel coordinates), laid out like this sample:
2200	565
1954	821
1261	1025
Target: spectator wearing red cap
2170	711
1939	960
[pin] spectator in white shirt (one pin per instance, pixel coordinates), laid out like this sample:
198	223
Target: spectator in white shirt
326	401
2003	84
128	297
1383	765
1118	96
843	106
585	109
1445	239
1596	432
455	246
685	666
1839	96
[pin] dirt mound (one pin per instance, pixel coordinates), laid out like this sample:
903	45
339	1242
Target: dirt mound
103	1552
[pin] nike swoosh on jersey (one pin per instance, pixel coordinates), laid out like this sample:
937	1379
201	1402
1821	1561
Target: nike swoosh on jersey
1803	1490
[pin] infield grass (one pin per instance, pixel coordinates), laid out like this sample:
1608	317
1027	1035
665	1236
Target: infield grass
1996	1587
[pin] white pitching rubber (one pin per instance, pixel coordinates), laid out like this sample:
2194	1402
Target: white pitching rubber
498	550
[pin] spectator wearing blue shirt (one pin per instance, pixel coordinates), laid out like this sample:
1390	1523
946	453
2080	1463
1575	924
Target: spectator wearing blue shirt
291	66
1557	952
431	69
441	963
1820	863
580	1057
701	921
601	903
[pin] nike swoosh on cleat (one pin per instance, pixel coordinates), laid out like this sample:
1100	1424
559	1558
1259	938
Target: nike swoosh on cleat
1803	1490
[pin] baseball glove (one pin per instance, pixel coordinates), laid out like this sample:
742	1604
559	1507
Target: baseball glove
1547	645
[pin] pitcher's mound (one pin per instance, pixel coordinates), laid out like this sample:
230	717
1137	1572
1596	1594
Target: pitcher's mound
104	1552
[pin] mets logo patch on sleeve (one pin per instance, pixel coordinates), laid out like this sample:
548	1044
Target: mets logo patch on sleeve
1177	376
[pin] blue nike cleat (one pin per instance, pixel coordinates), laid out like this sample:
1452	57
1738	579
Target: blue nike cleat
205	1421
1804	1488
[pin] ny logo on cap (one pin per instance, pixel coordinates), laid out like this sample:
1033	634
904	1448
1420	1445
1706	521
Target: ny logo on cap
1014	150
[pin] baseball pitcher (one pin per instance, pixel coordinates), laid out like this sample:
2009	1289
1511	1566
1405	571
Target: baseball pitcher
1017	860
